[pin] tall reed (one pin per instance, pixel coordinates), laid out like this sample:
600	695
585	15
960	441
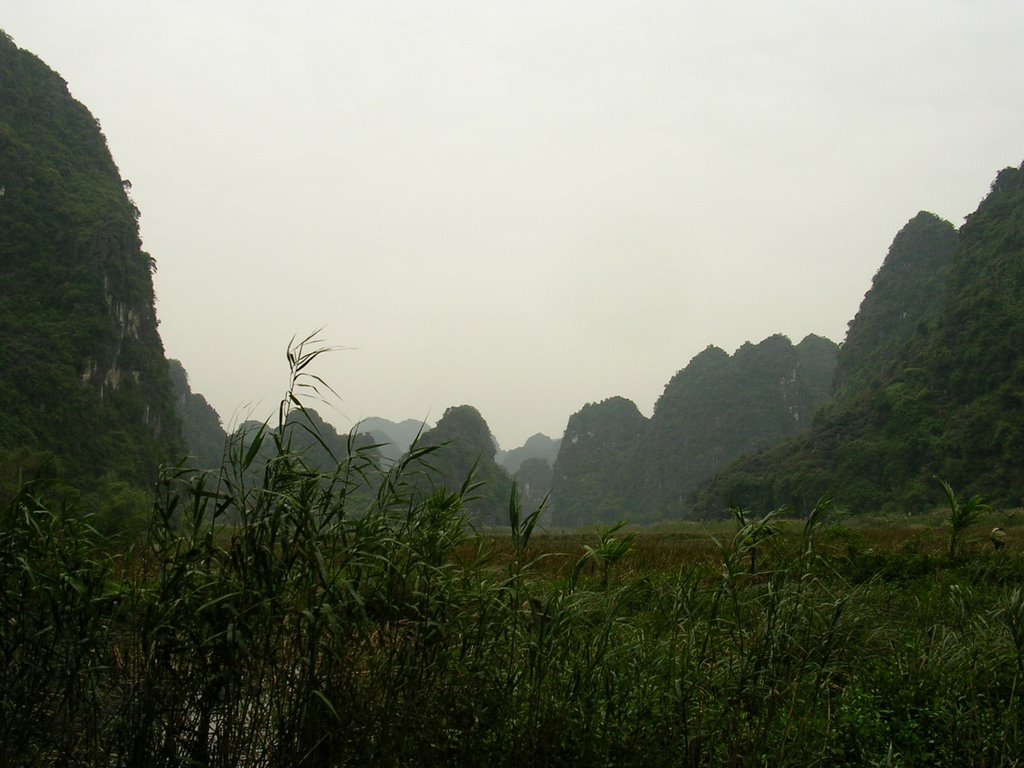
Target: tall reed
282	614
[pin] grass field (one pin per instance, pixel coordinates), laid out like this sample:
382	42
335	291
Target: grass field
304	632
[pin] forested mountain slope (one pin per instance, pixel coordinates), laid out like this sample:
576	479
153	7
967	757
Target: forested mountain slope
596	475
463	445
201	428
614	464
719	408
905	297
931	384
83	375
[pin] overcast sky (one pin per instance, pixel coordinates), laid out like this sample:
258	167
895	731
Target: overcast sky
525	206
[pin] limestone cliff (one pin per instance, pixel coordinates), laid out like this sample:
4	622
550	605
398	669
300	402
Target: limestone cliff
82	369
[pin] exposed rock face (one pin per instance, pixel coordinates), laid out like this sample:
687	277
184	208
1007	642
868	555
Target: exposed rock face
82	368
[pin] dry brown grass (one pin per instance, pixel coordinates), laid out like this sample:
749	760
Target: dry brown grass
667	548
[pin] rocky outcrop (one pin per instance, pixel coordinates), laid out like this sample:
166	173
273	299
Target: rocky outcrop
82	368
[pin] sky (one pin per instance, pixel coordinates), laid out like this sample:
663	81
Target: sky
525	206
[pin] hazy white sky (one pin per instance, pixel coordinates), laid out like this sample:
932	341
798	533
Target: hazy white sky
528	205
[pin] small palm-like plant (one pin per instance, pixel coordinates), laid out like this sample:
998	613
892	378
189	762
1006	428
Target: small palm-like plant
606	554
962	515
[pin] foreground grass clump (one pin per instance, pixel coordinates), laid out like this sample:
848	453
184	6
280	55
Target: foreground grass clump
279	616
301	621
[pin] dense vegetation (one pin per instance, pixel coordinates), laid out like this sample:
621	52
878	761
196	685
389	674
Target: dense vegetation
719	408
930	381
83	379
469	453
614	464
595	475
290	619
904	299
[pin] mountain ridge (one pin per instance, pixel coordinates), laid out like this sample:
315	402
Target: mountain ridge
944	398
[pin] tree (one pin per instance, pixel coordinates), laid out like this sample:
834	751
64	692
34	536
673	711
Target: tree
962	515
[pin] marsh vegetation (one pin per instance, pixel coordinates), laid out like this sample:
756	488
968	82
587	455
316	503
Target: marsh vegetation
295	617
